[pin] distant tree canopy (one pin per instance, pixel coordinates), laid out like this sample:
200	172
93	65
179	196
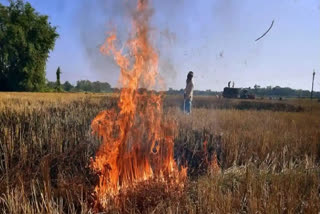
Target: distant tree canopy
81	86
258	91
281	92
26	38
67	86
196	92
86	85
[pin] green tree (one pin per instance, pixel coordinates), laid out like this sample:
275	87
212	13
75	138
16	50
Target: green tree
26	38
101	87
58	83
98	87
84	85
67	86
51	86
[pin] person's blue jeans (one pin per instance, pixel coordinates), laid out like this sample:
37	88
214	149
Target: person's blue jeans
187	106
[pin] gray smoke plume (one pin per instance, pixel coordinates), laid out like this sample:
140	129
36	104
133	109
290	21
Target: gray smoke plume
170	32
94	19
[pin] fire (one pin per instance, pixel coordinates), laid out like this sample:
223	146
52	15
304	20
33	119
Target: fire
137	143
213	166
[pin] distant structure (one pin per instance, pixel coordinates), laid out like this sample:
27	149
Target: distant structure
244	94
231	92
234	93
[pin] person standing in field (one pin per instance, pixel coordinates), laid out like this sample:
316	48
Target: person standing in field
188	93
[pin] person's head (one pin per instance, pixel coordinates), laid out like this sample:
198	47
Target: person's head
190	76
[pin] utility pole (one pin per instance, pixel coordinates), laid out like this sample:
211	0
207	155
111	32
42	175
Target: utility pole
313	75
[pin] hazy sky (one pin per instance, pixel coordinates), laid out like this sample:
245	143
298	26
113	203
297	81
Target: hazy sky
213	38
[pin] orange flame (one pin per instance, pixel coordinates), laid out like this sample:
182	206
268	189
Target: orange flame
137	144
213	166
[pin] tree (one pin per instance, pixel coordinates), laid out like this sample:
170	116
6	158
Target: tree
98	87
26	38
58	84
101	87
51	85
67	86
84	85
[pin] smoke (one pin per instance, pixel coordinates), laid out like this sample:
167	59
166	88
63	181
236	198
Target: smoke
94	20
169	27
173	29
225	12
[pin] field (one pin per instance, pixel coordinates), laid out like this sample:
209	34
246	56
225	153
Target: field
268	155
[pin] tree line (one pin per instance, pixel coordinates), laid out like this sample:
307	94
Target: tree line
258	91
278	91
80	86
208	92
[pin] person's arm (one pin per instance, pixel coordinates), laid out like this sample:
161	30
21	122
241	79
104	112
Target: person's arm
191	90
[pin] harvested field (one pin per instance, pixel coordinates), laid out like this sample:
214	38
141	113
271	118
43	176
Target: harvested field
239	104
267	157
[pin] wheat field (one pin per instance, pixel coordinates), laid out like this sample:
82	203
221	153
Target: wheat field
268	160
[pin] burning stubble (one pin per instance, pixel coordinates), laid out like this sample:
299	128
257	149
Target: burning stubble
137	144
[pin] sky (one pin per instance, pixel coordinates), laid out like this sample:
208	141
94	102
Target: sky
213	38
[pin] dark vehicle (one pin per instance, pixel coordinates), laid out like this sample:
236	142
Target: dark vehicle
244	94
237	93
231	92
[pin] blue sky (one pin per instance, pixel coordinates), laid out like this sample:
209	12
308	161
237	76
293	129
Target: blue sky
213	38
